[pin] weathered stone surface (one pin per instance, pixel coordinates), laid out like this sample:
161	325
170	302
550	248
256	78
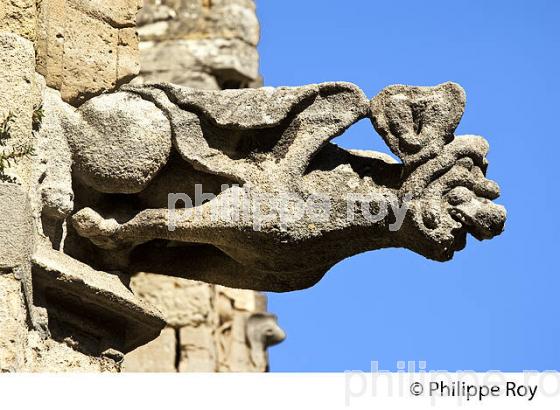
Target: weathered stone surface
275	141
13	326
76	294
89	63
51	27
228	61
416	122
19	17
199	20
117	13
159	355
182	302
197	349
26	351
223	59
128	55
53	165
128	123
240	299
17	80
51	356
15	226
85	48
216	41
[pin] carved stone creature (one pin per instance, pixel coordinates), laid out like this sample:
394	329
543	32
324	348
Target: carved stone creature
134	147
262	332
243	341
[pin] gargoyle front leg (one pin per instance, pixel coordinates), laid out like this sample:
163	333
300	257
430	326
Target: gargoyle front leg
228	266
202	224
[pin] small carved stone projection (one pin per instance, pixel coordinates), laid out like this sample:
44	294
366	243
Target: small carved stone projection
243	335
262	331
204	44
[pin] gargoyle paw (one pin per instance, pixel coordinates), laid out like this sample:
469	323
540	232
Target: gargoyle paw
89	224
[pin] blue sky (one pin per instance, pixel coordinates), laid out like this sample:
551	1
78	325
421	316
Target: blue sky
497	304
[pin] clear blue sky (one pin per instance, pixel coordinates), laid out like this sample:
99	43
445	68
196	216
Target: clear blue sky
497	304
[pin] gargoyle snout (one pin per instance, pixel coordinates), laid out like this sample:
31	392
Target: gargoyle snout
264	326
480	216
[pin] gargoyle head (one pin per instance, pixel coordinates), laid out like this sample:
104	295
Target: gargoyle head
262	332
443	176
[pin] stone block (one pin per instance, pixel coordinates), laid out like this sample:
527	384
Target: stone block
117	13
182	302
157	356
15	227
13	327
50	41
19	17
128	62
198	349
93	303
90	57
86	47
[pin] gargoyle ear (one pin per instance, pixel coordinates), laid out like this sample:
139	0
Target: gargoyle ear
416	122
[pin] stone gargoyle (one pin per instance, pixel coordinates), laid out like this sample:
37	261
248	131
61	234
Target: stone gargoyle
133	148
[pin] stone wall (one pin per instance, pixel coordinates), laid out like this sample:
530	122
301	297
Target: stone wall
19	17
23	347
86	47
83	47
49	302
72	50
210	45
208	327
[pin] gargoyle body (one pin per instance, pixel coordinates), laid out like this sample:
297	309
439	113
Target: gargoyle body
132	149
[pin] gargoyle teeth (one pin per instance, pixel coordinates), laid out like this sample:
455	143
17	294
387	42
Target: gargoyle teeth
459	216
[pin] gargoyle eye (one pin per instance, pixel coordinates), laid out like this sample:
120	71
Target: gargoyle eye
465	162
459	195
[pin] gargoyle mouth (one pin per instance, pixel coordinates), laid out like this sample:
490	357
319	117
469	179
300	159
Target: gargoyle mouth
479	216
